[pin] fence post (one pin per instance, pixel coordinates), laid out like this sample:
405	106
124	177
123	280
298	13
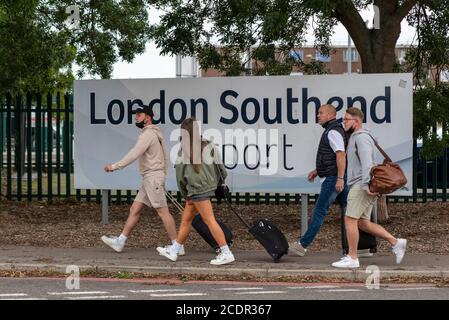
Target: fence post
19	150
2	128
38	150
58	142
8	149
67	139
444	173
304	215
105	205
49	148
415	170
29	148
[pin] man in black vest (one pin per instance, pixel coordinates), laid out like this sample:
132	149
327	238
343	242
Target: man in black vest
330	167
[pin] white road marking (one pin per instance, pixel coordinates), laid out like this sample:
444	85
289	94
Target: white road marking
314	287
13	295
22	299
238	289
261	292
410	289
341	290
178	294
96	297
158	290
73	293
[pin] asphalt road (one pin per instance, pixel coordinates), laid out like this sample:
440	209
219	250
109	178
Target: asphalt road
111	289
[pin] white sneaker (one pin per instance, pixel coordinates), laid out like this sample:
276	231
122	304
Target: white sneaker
297	248
223	258
113	243
346	262
181	251
399	249
166	252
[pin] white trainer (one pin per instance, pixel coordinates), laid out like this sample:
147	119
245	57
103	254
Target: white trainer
113	243
166	252
181	251
347	262
223	258
399	249
297	248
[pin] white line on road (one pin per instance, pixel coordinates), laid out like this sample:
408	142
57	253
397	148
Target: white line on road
409	289
96	297
13	295
22	299
238	289
157	290
313	287
177	294
341	290
260	292
72	293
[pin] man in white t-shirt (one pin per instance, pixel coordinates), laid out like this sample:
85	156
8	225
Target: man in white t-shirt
330	168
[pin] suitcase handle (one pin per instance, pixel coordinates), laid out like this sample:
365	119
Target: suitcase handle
175	202
226	190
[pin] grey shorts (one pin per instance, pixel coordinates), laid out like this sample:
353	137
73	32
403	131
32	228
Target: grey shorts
202	196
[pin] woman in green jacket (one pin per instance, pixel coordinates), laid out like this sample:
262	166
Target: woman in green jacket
198	172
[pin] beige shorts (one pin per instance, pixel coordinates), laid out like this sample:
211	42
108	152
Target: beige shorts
360	204
152	191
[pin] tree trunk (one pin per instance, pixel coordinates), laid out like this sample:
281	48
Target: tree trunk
378	53
375	46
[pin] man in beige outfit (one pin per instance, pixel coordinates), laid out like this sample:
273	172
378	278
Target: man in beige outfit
153	162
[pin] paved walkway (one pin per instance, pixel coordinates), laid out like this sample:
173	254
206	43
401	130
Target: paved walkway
251	263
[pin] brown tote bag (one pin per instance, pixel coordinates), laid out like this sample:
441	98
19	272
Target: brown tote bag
386	177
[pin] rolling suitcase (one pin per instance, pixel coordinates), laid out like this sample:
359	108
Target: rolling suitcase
202	229
366	240
268	235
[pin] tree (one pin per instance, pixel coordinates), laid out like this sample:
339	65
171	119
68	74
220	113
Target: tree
271	28
37	47
29	54
428	60
192	27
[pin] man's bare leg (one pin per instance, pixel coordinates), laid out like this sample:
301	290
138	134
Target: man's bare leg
133	217
168	221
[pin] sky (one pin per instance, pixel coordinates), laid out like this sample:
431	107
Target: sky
152	65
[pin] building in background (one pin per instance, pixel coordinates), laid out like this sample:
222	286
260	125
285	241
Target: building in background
335	63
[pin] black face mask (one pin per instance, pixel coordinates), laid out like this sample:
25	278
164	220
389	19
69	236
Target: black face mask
140	124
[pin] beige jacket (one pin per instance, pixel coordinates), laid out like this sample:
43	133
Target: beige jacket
151	151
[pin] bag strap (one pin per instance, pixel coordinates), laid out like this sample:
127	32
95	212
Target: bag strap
384	154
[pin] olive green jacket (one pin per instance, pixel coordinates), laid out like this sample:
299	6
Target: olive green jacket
190	182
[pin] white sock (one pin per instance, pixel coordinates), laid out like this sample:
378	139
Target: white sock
122	238
175	247
225	250
394	246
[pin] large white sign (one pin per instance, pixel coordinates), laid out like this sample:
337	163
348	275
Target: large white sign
265	127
